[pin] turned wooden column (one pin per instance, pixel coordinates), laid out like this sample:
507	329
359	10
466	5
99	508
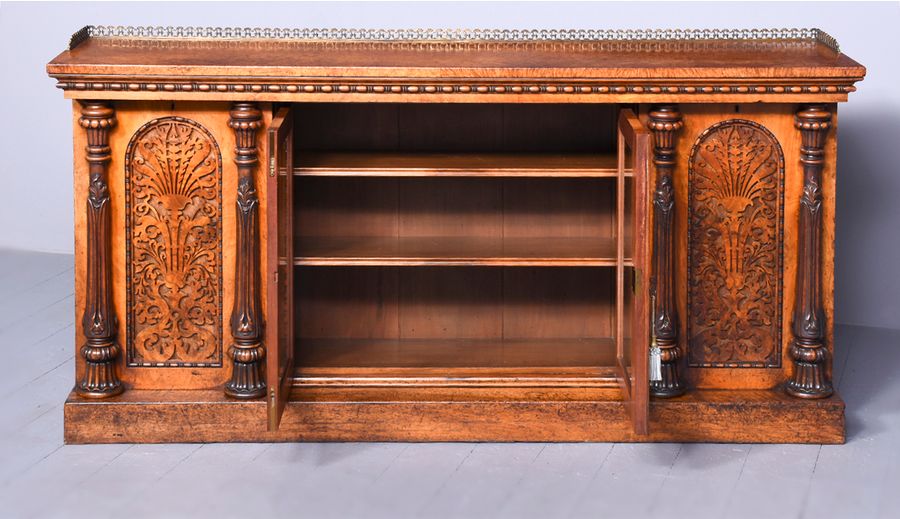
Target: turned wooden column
99	323
247	351
808	352
664	122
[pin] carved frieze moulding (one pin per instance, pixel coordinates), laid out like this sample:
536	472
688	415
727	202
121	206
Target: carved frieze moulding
441	88
735	246
173	187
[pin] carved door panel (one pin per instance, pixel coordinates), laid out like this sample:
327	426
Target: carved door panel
633	267
279	271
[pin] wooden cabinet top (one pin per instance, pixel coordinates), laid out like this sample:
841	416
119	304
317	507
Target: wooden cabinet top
793	65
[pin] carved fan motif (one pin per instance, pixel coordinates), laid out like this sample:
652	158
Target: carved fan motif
174	254
736	183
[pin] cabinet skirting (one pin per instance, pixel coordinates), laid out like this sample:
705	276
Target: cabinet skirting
389	414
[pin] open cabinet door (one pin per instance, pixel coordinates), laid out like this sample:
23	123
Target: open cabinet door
632	267
279	274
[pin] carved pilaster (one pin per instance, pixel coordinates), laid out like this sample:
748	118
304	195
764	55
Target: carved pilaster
99	322
664	122
247	351
810	378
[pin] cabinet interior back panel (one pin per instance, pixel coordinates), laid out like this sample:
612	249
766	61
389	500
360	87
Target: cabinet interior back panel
454	207
454	302
456	127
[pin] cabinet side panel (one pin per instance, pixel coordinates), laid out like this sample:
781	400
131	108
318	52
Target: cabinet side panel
80	187
209	122
778	119
829	188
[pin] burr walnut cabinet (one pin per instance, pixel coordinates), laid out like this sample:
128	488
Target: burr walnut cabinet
292	235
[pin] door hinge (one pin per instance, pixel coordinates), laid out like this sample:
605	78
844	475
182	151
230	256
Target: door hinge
272	166
276	277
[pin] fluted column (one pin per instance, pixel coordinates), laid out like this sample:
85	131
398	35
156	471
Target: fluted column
664	122
99	323
808	353
247	351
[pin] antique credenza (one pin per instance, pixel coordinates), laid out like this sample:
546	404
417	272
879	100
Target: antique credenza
501	235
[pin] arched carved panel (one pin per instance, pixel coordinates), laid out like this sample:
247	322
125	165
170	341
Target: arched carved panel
735	241
173	192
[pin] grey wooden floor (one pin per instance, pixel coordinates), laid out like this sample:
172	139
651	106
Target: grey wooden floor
40	477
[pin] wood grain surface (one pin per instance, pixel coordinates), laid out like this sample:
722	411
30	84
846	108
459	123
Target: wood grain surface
452	414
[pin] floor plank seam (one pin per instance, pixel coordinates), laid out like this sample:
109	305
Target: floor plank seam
805	504
70	267
180	462
394	459
837	383
737	481
265	449
506	497
54	404
30	288
37	463
49	371
108	462
38	417
78	484
19	319
54	334
443	484
655	501
576	502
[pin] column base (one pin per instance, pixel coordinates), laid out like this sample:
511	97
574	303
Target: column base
247	380
99	380
809	381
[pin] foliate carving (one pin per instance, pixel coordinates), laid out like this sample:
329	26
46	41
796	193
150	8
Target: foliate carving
174	245
99	323
735	225
810	378
664	121
665	323
247	351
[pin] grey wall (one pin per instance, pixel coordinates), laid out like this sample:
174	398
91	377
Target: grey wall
35	160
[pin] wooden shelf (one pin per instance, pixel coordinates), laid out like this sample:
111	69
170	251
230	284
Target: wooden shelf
392	164
455	251
543	362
